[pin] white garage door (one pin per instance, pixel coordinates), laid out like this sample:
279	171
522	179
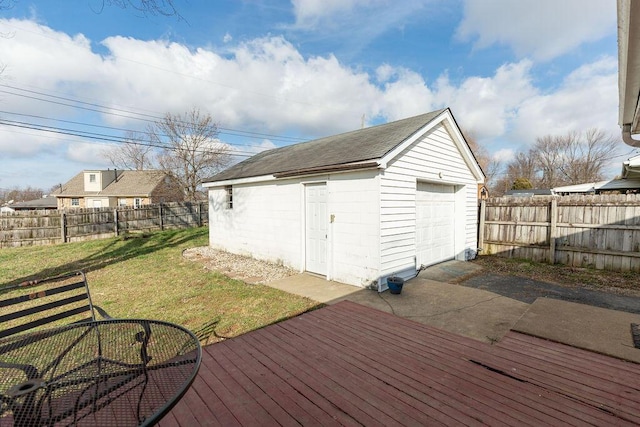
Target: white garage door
435	220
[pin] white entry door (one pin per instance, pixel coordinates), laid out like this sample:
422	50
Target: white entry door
435	223
316	228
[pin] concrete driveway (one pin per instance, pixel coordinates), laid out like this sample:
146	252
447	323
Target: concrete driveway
478	313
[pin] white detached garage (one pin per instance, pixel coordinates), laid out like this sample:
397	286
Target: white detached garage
356	207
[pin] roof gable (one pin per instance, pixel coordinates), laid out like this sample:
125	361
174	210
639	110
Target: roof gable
349	149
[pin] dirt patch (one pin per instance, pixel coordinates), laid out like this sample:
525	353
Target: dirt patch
247	269
627	284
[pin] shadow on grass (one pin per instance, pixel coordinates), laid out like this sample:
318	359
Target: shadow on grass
119	250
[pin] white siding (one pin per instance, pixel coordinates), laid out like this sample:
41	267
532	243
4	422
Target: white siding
433	158
354	241
267	222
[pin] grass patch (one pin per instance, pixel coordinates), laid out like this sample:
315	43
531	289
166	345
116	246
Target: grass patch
146	276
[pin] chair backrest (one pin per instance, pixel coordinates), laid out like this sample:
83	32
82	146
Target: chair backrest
48	302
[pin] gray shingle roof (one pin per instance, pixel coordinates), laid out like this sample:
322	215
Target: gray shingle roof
357	146
129	183
41	203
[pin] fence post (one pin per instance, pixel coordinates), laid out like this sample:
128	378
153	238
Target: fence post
115	221
161	212
483	206
553	231
199	212
63	226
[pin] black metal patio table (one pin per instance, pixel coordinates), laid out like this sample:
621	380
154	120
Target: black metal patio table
109	372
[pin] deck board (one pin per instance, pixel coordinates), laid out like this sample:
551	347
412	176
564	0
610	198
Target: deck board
347	364
428	366
452	355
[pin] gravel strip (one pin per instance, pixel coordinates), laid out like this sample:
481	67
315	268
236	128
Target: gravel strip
239	267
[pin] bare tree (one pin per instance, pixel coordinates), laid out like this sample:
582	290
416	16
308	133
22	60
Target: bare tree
549	159
146	7
488	164
191	149
571	158
586	155
135	153
17	194
524	166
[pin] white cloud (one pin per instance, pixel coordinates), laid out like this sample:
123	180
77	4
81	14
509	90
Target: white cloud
587	98
313	13
16	142
67	58
542	29
355	25
262	85
504	155
267	85
488	105
404	94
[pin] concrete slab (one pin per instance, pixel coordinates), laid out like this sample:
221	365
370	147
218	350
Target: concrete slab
592	328
314	287
480	314
450	271
470	312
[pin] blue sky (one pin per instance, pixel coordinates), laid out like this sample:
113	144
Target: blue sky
272	72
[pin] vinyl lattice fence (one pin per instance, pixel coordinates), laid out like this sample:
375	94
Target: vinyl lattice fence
601	231
52	227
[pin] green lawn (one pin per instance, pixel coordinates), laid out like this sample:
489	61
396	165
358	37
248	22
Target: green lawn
145	276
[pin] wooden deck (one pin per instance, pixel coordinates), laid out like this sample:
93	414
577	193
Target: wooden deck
347	364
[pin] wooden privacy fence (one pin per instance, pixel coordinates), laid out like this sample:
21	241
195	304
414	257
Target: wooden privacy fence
601	231
51	227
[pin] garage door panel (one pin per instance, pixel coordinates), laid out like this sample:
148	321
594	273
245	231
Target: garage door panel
435	219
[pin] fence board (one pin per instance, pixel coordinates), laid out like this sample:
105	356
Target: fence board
53	226
598	231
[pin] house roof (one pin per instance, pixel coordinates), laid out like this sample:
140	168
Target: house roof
41	203
344	151
592	187
128	183
631	167
529	192
629	68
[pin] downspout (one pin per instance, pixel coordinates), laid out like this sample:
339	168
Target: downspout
626	136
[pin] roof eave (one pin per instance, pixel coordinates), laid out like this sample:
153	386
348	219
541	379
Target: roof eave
350	167
327	169
629	69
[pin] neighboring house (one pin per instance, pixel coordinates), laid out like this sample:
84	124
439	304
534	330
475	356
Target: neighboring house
629	70
614	186
631	168
531	192
483	192
356	207
43	203
111	188
629	182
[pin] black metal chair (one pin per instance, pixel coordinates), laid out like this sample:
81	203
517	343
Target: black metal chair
52	301
82	366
